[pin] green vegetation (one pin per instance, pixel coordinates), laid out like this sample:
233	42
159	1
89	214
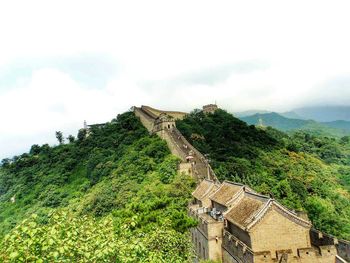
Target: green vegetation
111	195
302	171
331	129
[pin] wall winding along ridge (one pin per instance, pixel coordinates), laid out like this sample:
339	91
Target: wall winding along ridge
195	164
177	143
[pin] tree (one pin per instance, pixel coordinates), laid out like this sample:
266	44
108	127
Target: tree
35	149
71	138
64	238
5	162
345	140
59	136
82	135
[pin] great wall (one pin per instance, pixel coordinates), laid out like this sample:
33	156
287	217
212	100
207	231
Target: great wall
236	224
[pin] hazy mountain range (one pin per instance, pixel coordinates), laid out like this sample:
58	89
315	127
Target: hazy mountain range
317	113
327	120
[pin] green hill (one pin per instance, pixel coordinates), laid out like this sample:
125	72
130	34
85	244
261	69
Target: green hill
324	113
275	120
302	171
112	195
343	125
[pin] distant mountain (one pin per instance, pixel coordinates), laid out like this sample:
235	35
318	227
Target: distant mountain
249	113
275	120
344	125
324	113
291	115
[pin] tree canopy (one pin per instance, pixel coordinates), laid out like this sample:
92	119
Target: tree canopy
115	192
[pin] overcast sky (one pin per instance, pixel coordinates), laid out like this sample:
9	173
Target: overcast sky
63	62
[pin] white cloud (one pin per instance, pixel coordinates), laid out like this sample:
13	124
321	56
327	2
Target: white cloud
51	101
170	54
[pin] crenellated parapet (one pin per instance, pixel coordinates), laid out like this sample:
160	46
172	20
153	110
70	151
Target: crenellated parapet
236	224
177	115
146	120
256	228
235	248
210	108
321	239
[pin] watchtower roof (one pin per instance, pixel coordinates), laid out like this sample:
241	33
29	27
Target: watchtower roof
252	207
226	192
205	188
244	211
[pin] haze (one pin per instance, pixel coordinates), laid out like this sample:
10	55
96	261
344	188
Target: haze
63	62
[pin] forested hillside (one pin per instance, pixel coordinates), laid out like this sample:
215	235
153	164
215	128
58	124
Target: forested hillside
112	195
277	121
302	171
114	190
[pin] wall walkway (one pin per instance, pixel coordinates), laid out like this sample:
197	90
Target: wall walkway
177	143
201	169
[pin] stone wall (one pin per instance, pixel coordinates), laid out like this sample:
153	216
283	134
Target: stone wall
146	120
340	260
185	168
239	233
149	112
219	207
215	240
210	108
343	248
228	258
174	147
207	232
177	143
202	166
178	115
207	238
321	239
236	251
200	243
277	232
163	125
325	254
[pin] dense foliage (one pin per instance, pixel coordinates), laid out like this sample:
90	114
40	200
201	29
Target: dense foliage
302	171
111	195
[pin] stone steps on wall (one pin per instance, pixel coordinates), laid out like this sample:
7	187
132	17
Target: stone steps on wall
178	144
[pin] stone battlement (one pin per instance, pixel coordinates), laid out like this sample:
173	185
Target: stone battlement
323	240
163	124
178	115
236	224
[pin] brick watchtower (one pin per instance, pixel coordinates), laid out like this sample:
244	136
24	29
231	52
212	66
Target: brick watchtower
210	108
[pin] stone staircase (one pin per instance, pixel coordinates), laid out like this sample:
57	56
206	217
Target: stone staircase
178	145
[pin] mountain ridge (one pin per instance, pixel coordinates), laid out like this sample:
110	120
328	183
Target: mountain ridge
121	173
278	121
327	113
